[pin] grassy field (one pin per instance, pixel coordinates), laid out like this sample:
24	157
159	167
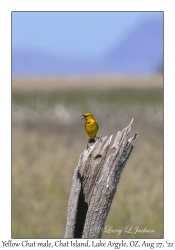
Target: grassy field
48	137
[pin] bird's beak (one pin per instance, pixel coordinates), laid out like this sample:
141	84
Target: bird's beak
83	117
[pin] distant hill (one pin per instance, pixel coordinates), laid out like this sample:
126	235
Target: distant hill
140	52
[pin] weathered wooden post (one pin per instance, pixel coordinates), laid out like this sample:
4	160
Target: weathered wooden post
94	185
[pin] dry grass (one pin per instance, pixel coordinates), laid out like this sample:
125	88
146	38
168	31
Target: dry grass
88	83
48	137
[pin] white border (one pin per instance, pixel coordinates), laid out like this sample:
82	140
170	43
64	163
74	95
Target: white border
5	92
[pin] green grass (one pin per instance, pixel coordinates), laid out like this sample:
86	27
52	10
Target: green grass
111	99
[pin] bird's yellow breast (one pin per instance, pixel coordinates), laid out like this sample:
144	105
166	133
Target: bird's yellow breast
91	127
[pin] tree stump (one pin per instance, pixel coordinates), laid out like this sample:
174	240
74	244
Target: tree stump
94	184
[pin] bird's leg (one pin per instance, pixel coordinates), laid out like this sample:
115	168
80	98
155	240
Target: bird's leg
87	145
89	141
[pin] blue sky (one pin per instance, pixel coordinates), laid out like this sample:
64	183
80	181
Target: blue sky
73	34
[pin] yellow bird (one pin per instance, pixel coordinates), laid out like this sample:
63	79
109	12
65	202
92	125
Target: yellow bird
91	127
